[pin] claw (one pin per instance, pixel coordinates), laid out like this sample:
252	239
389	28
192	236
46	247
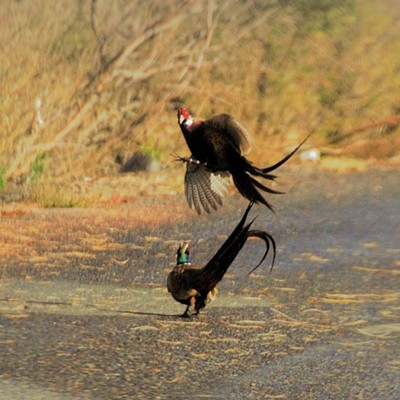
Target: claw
188	160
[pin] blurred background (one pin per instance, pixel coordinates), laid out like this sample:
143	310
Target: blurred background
87	84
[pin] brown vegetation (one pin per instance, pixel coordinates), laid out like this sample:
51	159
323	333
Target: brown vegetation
110	75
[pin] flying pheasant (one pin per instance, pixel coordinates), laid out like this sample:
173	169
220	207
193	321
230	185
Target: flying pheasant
218	146
195	286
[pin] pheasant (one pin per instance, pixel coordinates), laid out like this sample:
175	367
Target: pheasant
196	286
218	146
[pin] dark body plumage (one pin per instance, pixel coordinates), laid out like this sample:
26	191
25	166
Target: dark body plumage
195	286
218	146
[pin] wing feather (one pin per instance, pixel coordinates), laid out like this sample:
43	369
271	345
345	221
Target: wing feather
204	189
196	199
189	188
233	131
201	190
242	136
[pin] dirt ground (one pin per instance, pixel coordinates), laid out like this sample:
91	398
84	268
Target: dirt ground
84	312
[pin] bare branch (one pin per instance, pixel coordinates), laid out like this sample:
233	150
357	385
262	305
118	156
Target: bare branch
392	120
210	32
106	73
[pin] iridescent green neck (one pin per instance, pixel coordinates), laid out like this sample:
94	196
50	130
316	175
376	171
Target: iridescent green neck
183	254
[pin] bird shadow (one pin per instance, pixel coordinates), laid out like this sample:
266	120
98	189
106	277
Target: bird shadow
142	313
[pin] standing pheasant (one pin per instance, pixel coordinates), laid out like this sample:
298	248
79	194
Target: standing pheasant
195	286
218	146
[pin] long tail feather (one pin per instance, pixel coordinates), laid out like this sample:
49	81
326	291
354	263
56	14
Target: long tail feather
215	269
243	172
269	240
235	233
247	187
263	187
281	162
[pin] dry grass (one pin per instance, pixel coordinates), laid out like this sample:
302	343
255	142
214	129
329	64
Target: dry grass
111	74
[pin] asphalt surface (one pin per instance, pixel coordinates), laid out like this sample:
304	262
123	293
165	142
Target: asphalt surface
84	312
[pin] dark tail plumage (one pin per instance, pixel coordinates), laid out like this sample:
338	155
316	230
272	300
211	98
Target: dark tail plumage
249	187
284	159
216	268
267	239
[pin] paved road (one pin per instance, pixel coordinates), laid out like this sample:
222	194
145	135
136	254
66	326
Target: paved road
84	313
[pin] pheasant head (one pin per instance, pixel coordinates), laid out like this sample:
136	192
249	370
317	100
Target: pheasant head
184	117
183	254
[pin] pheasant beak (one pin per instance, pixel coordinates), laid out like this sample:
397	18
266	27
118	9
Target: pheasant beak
181	119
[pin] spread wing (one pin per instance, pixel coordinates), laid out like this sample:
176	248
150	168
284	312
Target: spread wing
233	130
203	188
